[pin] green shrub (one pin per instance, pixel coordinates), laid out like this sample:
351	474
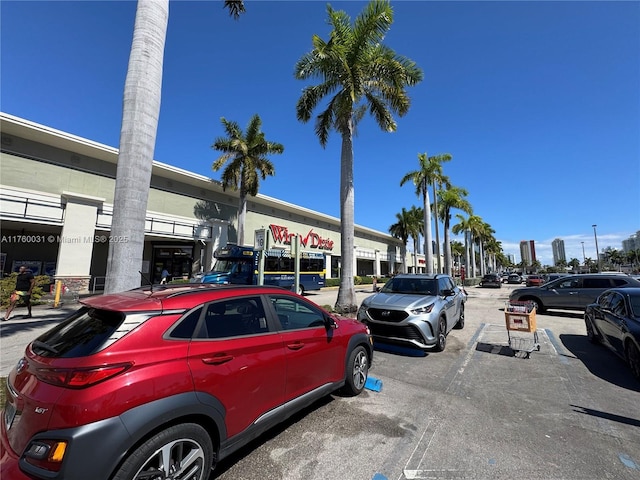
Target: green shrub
335	282
8	285
332	282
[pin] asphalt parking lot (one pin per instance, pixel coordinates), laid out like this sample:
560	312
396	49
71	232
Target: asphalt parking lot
474	411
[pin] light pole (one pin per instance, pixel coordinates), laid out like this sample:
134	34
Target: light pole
584	257
595	235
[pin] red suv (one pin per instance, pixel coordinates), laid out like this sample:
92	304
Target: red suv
535	280
164	382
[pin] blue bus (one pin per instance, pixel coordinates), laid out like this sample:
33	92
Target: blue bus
239	265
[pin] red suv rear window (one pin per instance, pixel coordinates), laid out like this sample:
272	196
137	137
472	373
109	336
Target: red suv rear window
83	333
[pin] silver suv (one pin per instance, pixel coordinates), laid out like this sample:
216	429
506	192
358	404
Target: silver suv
417	310
572	292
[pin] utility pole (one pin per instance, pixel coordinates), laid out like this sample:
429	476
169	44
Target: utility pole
595	235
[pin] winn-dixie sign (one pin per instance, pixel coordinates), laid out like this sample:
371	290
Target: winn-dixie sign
281	234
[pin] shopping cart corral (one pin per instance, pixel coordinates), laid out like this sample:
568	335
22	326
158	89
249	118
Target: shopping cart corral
521	317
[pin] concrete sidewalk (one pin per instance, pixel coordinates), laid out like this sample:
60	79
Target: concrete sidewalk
18	331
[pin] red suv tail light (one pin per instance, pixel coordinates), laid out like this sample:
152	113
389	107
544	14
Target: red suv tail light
80	377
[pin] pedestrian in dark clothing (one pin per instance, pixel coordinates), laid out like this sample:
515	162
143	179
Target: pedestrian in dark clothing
24	286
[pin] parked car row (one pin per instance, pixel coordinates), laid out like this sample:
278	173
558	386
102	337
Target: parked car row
180	376
572	292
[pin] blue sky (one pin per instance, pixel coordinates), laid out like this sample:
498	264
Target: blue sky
537	102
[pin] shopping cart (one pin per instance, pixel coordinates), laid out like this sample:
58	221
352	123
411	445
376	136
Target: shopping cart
521	317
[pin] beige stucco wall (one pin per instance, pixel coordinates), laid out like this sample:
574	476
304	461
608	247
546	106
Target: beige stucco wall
46	177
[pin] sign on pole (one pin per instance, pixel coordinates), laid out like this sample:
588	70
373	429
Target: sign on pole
259	239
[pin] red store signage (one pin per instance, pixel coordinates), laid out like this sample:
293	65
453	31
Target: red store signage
281	235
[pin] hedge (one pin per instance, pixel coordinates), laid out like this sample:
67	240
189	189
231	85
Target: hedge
8	285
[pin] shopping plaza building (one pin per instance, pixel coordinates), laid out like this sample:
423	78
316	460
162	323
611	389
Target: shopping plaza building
56	205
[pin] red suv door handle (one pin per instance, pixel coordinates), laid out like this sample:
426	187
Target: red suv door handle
295	346
217	360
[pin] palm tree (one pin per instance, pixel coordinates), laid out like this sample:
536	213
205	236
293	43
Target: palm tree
574	263
614	257
484	235
358	72
458	249
438	180
140	112
492	249
416	226
402	230
464	227
429	173
452	197
633	257
248	162
476	230
501	259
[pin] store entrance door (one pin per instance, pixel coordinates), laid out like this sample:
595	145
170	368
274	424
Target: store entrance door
176	259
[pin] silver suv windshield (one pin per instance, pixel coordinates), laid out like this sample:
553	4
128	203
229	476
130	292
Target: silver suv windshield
411	286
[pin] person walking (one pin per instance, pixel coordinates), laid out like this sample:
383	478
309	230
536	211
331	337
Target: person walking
24	286
164	276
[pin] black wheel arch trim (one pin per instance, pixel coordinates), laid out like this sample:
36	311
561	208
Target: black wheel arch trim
126	430
354	341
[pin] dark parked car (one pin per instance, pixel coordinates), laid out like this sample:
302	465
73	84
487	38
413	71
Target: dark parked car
417	310
535	280
491	280
614	321
164	383
572	292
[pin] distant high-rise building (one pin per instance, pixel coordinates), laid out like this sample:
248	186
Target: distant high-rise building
632	243
512	258
528	252
558	251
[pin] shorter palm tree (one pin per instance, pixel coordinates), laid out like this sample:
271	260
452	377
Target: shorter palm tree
450	198
247	156
401	229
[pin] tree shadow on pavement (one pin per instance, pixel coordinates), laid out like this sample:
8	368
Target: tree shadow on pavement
16	325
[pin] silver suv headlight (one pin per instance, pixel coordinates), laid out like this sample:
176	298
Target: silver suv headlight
423	310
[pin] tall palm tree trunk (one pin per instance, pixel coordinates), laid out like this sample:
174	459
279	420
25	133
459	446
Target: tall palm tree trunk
346	301
428	245
242	216
435	218
447	248
467	261
473	256
141	108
